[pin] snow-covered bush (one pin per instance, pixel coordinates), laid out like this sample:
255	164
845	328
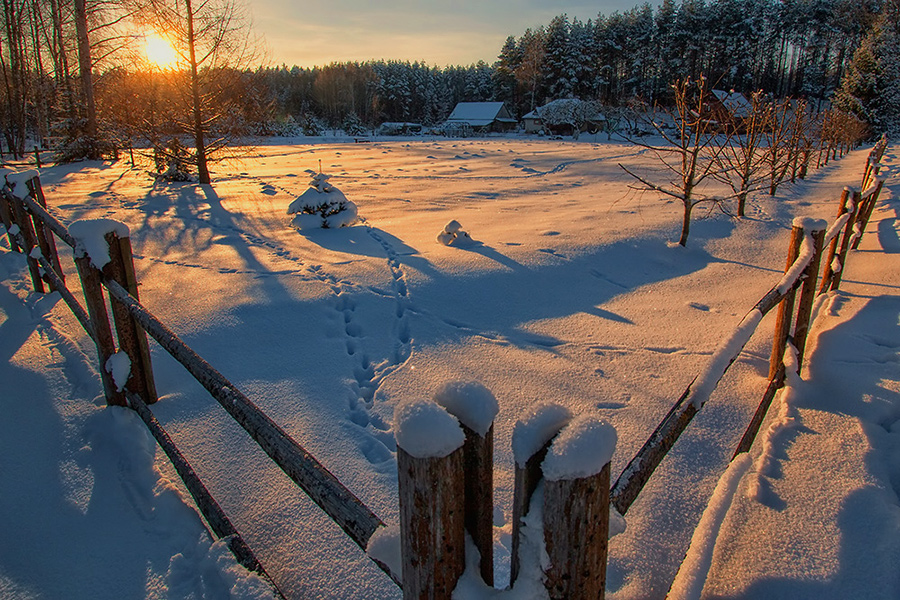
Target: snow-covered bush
453	235
352	125
322	206
177	160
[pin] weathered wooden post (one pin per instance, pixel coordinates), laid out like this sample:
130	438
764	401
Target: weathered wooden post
816	230
476	407
132	338
865	213
90	252
44	237
784	318
531	439
9	221
576	509
26	229
828	270
431	490
850	230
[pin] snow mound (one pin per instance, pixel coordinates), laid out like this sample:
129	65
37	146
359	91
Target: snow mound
580	450
322	206
454	235
90	235
470	402
425	430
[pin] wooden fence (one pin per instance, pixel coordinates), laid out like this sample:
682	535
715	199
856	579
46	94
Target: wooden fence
444	496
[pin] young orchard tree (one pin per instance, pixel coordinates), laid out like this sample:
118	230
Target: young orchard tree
212	38
691	154
740	164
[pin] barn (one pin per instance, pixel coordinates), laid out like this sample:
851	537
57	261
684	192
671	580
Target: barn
479	117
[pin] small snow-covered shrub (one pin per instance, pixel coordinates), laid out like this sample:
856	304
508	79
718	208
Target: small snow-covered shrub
177	160
322	206
453	235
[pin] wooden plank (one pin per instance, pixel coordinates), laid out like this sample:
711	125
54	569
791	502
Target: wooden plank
756	422
432	524
576	536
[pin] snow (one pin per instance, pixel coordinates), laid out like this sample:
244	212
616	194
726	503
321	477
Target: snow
119	366
18	182
90	236
537	427
425	429
583	447
385	547
572	297
470	402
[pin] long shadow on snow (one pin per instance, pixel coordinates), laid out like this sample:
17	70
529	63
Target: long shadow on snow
870	341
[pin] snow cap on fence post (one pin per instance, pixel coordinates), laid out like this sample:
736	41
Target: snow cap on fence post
91	237
476	407
576	509
431	488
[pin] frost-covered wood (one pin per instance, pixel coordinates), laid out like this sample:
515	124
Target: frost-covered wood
26	229
44	237
784	318
808	294
840	258
865	211
832	238
432	523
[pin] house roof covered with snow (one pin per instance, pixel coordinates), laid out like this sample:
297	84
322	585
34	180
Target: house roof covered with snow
480	114
736	103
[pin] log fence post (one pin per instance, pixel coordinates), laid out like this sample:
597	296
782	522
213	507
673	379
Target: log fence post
817	230
431	490
132	338
476	407
44	237
6	215
101	331
840	258
531	439
576	509
26	228
828	270
784	318
865	213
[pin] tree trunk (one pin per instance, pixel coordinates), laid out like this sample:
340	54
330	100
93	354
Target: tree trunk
85	69
199	142
686	223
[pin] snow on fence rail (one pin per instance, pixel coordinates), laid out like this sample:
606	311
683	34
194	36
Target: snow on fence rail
445	447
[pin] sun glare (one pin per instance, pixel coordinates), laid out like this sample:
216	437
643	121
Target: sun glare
160	52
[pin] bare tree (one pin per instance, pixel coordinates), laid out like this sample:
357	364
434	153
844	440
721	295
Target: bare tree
740	164
691	153
212	38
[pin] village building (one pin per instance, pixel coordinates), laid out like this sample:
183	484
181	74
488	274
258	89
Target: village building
479	117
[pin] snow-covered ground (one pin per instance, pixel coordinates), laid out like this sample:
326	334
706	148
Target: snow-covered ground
571	292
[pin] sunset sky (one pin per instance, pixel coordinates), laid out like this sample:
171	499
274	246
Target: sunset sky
440	33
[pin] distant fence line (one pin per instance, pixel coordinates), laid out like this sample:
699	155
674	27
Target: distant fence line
441	497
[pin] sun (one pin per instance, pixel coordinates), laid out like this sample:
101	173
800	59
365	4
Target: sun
159	51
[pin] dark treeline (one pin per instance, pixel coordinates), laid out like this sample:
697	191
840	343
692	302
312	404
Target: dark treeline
797	48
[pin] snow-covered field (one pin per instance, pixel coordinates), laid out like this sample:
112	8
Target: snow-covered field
573	293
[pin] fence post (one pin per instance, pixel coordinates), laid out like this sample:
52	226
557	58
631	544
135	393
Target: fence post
531	440
846	238
44	237
9	220
101	331
476	407
132	338
808	292
431	491
576	509
27	230
865	213
828	271
785	309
